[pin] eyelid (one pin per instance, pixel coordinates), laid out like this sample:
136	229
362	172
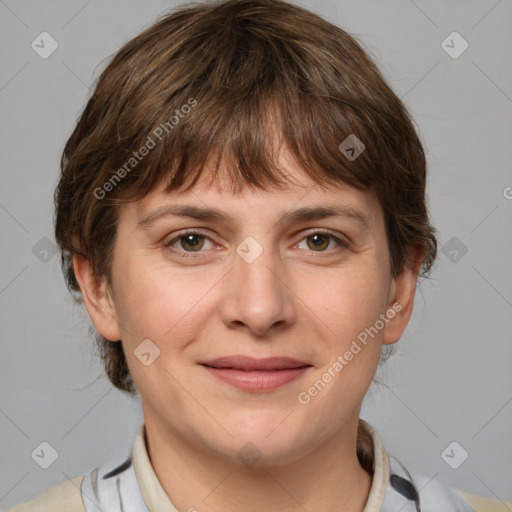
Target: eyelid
185	232
340	240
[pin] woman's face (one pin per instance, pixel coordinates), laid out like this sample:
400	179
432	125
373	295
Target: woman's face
302	274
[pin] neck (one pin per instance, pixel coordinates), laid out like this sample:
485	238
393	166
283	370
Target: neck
329	478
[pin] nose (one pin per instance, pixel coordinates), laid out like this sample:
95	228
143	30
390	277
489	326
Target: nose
257	297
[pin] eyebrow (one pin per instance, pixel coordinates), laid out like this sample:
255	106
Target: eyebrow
304	214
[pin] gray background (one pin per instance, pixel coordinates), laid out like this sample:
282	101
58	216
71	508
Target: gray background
450	379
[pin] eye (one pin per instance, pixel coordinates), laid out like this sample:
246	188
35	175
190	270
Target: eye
188	242
320	241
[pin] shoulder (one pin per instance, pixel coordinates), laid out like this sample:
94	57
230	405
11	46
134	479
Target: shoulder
65	497
412	492
434	494
395	489
479	504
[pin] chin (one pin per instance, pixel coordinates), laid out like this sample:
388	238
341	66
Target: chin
264	435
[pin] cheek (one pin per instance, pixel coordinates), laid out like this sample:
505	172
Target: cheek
140	298
348	302
348	308
156	302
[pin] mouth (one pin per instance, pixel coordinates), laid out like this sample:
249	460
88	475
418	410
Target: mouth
252	374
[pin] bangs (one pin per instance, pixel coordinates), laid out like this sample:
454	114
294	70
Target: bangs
247	141
244	103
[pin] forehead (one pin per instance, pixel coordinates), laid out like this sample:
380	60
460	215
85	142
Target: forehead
259	209
215	191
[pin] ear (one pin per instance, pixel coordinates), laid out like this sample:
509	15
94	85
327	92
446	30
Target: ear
98	299
401	297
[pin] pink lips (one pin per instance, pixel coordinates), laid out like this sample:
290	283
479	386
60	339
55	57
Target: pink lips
252	374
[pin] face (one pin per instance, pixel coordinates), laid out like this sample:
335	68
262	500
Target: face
266	312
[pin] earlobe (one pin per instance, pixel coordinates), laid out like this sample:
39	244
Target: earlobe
97	299
402	300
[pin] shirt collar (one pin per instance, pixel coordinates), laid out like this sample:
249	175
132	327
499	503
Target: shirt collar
372	443
369	447
150	487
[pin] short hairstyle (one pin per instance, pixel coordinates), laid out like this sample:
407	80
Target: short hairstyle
219	82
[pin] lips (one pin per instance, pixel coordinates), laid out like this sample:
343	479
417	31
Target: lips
256	375
253	364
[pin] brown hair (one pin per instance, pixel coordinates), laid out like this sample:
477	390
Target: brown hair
214	81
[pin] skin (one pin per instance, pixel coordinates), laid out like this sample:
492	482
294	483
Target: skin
294	300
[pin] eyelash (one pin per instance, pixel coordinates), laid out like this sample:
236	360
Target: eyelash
195	254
